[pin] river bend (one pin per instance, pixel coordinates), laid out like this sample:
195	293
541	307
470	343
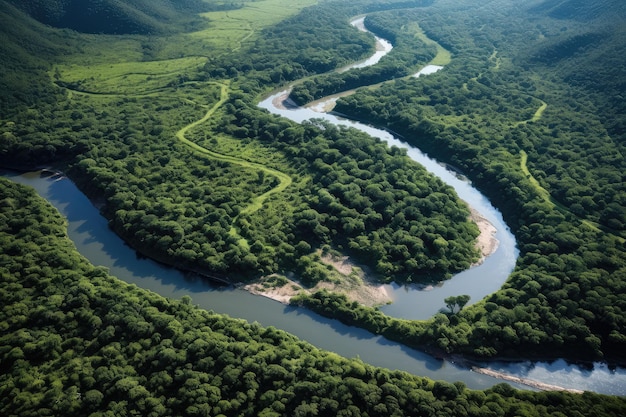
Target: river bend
95	240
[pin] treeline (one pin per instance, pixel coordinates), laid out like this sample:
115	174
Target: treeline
316	41
566	295
408	54
75	341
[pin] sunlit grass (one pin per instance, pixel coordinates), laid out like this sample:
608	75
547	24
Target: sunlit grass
229	29
135	64
443	56
126	77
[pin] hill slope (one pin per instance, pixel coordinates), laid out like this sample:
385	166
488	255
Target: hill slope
115	16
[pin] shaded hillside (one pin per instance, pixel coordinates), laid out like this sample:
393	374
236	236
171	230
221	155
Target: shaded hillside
24	47
115	16
581	51
581	10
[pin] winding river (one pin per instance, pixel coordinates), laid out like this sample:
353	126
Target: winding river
413	301
93	238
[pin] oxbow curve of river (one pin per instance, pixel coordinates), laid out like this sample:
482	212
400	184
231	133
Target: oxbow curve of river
95	240
413	301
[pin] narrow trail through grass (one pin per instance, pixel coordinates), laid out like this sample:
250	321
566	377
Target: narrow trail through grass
536	116
547	197
256	203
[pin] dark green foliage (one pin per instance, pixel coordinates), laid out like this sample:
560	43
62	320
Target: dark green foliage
478	114
115	17
76	342
408	54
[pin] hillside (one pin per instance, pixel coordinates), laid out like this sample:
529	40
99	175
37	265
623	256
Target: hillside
115	16
586	58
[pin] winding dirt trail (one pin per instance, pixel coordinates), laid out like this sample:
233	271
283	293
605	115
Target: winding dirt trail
256	204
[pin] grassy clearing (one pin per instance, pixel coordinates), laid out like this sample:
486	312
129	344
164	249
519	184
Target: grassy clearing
229	29
126	77
443	56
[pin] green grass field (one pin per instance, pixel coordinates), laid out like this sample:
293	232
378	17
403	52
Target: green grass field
229	29
126	77
443	56
132	65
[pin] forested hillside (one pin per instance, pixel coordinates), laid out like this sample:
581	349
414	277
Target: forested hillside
76	342
118	17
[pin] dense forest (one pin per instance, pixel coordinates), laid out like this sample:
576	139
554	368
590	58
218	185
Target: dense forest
544	146
116	135
164	132
76	342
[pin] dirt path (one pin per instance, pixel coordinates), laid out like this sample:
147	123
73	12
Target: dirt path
257	202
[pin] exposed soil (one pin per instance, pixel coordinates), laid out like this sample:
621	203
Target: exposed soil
354	283
357	281
486	241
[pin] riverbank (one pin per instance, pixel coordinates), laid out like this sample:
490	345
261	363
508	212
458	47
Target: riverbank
358	283
486	242
524	381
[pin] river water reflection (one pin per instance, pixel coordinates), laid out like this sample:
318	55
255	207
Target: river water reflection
95	240
413	302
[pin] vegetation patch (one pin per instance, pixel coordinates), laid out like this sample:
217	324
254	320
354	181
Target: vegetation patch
126	78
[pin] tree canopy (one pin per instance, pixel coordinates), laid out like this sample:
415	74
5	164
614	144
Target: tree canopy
75	341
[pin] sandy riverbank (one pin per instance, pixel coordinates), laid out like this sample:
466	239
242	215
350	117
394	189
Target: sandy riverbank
486	242
524	381
357	282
